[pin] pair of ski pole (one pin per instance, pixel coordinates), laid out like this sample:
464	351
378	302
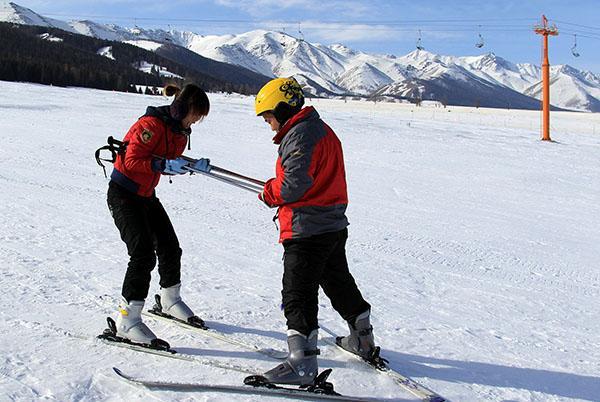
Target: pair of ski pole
227	176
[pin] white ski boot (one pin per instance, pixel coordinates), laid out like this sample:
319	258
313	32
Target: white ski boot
173	305
170	305
129	323
360	341
301	366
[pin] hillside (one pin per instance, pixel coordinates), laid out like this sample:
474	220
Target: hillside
57	57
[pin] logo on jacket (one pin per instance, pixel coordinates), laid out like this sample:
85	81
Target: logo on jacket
146	136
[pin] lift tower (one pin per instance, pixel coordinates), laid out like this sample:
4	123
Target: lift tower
545	30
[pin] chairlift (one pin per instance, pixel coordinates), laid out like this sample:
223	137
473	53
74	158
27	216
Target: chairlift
300	34
136	29
574	48
419	43
282	43
480	42
168	34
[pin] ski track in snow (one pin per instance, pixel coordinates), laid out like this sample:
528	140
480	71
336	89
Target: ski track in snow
476	244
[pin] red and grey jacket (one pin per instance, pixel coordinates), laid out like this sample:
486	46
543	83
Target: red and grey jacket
310	183
154	137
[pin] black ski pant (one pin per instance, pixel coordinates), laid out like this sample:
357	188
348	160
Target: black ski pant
312	262
148	233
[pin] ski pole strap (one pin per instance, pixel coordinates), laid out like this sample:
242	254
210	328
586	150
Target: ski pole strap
275	217
115	147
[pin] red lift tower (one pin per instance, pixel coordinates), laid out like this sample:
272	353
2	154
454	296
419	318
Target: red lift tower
545	30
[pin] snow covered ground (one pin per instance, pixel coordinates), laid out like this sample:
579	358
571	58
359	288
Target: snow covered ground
476	244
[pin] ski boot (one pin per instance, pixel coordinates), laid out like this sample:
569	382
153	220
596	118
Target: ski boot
360	341
301	366
130	328
170	305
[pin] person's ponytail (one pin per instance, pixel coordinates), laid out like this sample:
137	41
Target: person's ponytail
171	89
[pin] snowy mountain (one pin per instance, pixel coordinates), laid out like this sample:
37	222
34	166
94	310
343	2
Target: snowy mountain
571	89
496	69
13	13
336	70
486	80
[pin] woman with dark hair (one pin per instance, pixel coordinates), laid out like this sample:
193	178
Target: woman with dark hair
155	144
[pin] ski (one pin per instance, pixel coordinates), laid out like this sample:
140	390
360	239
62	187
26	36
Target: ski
200	327
308	393
380	364
109	337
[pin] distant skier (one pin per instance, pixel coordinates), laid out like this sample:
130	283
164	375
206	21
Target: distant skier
154	146
310	191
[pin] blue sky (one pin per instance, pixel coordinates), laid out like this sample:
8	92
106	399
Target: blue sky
381	26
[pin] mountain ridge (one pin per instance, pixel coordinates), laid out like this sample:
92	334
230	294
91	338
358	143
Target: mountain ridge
337	70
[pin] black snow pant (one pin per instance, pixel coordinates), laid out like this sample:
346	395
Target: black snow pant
312	262
148	233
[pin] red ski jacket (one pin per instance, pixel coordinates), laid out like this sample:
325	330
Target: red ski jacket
310	183
154	134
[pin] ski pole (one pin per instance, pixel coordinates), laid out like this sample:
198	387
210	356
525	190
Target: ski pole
229	180
226	176
227	172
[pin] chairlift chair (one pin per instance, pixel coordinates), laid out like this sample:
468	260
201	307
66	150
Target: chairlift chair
282	43
419	43
480	42
300	34
574	48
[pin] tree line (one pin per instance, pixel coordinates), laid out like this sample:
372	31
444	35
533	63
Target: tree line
68	59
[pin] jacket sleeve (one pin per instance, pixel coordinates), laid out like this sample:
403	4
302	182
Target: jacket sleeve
295	178
143	138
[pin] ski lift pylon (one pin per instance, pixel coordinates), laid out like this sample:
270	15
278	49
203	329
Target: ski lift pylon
574	48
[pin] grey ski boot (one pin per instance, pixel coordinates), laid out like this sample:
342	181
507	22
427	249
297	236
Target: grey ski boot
360	341
129	323
301	366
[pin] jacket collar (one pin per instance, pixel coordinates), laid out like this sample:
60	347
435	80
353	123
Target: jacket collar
306	113
164	114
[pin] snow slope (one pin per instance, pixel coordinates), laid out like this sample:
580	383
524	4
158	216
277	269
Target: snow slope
476	244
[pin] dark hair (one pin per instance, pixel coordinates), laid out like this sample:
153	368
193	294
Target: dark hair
190	98
283	111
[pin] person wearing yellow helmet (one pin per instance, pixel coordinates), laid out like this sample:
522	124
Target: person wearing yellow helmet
282	97
309	190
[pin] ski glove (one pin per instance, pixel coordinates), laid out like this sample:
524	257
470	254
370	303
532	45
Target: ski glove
202	165
261	196
176	166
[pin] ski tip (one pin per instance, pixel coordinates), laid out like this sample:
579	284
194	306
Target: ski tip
122	374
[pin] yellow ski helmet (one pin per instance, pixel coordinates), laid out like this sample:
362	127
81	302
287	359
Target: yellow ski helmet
286	90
